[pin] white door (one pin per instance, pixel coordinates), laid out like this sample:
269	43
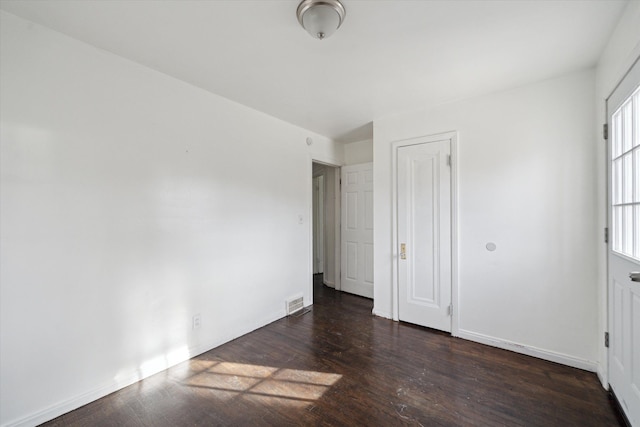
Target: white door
357	229
624	249
424	234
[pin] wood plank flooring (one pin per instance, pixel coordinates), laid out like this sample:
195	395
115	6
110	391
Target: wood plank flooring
340	366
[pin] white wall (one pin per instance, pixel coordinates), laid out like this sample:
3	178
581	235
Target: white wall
526	181
618	57
131	201
358	152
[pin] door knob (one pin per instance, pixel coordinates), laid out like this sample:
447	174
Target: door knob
634	276
403	251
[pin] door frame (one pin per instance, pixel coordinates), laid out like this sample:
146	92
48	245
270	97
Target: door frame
452	136
337	212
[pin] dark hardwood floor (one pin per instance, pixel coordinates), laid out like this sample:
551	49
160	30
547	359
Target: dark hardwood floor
338	365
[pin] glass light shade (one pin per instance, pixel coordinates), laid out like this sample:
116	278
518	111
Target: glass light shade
321	21
320	18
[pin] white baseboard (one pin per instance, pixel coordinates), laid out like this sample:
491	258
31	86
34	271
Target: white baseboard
65	406
132	377
602	376
329	283
380	313
564	359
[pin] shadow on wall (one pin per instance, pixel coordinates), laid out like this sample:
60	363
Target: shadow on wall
358	134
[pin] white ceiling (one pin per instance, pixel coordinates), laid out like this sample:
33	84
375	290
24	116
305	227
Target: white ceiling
388	57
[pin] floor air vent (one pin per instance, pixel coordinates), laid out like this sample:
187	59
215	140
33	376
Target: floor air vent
294	305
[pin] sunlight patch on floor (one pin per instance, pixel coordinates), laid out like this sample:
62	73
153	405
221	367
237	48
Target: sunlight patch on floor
260	384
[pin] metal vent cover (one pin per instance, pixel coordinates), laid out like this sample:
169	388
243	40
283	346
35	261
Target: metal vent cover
294	305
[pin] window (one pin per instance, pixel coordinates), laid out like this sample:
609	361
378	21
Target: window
625	175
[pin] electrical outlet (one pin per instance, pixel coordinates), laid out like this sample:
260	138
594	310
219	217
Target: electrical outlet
197	321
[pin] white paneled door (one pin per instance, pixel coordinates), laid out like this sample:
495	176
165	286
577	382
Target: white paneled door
424	233
624	244
357	229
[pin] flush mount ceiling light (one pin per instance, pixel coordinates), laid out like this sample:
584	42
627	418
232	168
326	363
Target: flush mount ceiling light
320	18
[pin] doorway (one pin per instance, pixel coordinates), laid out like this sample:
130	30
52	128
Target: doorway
326	224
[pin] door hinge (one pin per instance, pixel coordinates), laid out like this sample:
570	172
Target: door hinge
450	310
605	131
449	160
606	234
606	339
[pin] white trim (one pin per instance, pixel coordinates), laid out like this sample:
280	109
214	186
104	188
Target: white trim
310	227
394	230
455	299
337	237
311	158
379	313
603	375
552	356
133	377
623	88
452	136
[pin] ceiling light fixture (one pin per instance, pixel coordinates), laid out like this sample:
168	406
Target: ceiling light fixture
320	18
